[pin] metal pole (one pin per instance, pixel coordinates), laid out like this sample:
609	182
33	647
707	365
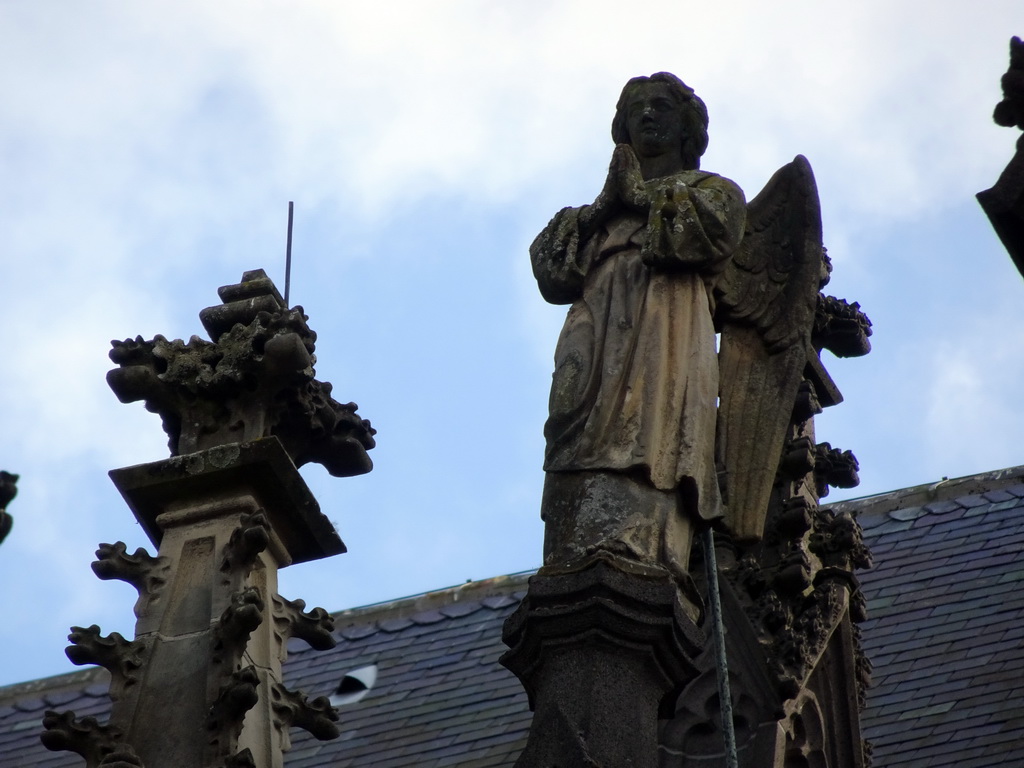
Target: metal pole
718	637
288	256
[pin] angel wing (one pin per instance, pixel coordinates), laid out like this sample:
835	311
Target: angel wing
766	299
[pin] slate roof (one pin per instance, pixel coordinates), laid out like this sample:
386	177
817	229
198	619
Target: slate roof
946	636
946	626
440	698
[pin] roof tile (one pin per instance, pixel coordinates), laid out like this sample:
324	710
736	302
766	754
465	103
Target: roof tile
357	632
910	513
428	617
457	610
944	507
395	625
998	495
500	601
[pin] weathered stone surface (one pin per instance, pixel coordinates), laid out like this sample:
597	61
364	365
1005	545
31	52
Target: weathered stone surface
316	627
225	519
239	620
236	697
294	709
834	468
841	327
86	737
254	380
122	658
637	378
146	573
586	513
601	648
261	468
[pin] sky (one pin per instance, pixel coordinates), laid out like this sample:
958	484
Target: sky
148	153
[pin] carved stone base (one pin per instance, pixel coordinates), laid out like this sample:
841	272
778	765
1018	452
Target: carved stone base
261	469
618	513
211	627
603	647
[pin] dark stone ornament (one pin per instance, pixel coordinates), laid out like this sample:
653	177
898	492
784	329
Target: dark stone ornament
1004	203
146	573
255	379
8	490
237	623
841	327
316	627
86	737
236	697
294	709
247	541
243	759
226	511
122	757
834	468
1009	112
122	658
791	606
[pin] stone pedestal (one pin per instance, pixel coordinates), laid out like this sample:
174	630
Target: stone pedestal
200	685
603	647
225	521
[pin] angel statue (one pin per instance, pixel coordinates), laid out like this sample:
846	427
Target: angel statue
650	426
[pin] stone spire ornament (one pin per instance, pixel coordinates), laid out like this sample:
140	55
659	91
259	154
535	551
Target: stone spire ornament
255	379
200	684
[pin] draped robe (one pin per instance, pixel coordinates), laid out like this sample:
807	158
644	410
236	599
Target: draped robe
635	385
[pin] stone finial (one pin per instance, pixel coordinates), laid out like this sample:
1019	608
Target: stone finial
226	512
254	379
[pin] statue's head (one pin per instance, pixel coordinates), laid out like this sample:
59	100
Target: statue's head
691	112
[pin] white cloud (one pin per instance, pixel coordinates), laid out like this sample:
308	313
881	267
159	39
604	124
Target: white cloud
148	153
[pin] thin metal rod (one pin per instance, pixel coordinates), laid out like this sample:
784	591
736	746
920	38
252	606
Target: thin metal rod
288	255
721	661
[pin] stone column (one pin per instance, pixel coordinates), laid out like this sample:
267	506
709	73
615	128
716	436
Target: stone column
208	633
603	647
